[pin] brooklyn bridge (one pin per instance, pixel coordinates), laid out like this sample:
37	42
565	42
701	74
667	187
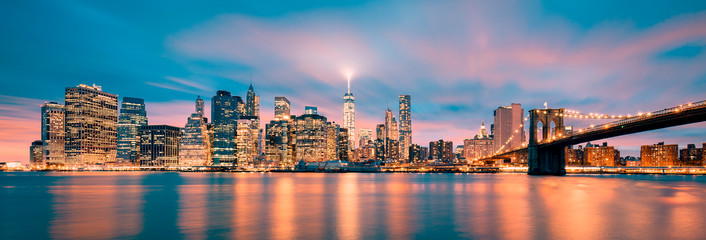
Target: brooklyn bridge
548	137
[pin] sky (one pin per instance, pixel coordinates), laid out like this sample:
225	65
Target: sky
459	60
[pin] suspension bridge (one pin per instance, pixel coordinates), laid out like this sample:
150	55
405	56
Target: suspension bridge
545	156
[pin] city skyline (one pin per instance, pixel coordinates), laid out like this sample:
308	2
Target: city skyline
453	93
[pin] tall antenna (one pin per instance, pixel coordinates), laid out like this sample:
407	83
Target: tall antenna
349	82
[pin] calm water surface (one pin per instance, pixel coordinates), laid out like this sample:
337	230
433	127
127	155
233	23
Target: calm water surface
144	205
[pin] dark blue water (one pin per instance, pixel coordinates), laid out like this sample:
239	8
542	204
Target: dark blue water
144	205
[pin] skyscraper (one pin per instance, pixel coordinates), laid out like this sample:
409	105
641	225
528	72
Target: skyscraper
279	142
282	107
252	107
405	126
508	119
53	133
391	137
349	115
195	145
245	139
132	116
225	115
364	135
311	136
159	145
91	125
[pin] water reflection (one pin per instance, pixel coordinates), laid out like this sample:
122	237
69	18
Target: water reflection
349	206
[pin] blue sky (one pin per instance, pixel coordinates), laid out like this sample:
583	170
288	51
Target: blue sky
458	59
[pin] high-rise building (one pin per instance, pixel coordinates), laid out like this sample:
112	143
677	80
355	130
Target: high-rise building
311	136
36	157
343	145
225	114
414	153
659	155
601	155
405	126
391	137
195	145
349	115
91	125
53	133
159	145
332	130
380	132
282	107
508	119
691	156
441	150
364	135
478	147
245	138
311	110
132	116
279	141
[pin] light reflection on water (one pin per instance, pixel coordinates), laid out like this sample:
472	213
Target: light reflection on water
99	205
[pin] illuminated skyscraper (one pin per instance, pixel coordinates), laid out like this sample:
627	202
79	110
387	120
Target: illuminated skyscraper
405	126
91	125
392	146
311	136
225	115
252	106
53	133
279	141
332	131
282	107
349	115
132	117
245	141
508	119
159	145
195	146
364	135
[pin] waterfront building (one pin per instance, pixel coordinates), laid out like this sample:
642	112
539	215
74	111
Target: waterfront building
367	150
332	131
36	157
132	117
379	149
423	153
508	119
159	145
659	155
414	153
631	161
311	136
691	156
601	155
53	133
349	115
225	115
574	156
380	132
480	146
195	145
441	150
344	152
252	110
391	137
405	133
91	125
278	141
282	107
245	138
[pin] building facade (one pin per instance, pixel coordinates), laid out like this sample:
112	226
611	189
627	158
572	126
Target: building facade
159	145
225	112
282	107
478	147
601	155
279	142
659	155
405	133
91	125
195	145
508	119
36	157
349	115
132	117
311	136
691	156
53	133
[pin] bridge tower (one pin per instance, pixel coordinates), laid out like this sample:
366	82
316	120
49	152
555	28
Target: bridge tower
545	160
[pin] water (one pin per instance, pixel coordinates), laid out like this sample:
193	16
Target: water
155	205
